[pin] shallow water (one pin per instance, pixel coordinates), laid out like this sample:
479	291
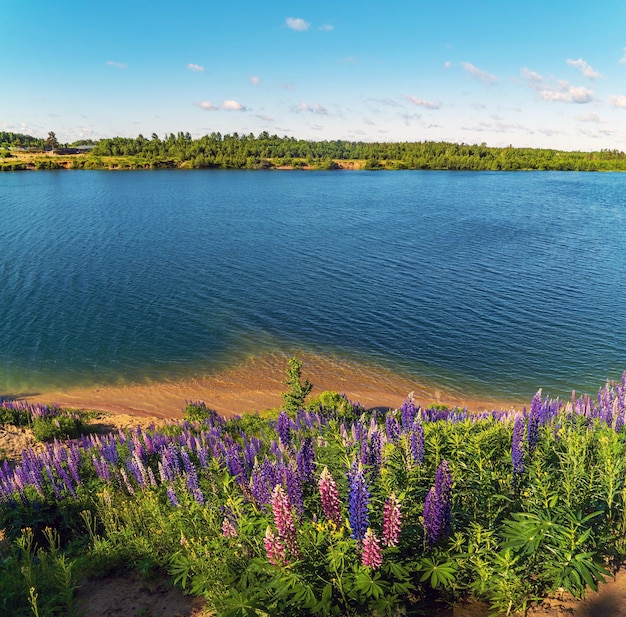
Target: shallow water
492	284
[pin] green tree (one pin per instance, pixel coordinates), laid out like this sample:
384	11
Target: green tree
298	391
52	141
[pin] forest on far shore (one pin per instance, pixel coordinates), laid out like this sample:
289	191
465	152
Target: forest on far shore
265	151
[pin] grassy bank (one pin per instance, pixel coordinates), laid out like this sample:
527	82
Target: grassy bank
324	508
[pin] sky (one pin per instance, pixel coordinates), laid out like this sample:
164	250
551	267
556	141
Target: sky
539	73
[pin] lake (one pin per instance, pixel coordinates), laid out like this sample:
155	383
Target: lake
492	283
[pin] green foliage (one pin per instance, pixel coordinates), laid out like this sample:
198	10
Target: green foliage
294	398
198	412
63	426
270	151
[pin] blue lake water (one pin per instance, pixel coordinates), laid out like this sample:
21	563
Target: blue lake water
491	283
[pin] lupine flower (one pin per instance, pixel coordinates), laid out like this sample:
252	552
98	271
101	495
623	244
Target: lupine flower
372	554
330	498
284	428
171	495
294	490
283	518
407	412
517	446
228	529
437	506
392	428
275	549
392	521
358	502
417	442
305	459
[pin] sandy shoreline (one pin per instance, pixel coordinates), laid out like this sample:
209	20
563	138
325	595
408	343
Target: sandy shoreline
257	384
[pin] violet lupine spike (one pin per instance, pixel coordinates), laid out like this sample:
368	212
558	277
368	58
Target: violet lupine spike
235	463
330	498
375	452
392	521
305	459
437	506
407	413
417	442
275	549
260	486
372	555
392	428
283	427
517	446
171	495
358	501
294	490
284	520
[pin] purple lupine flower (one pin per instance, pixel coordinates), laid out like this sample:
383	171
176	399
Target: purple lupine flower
131	466
294	490
330	498
260	486
392	428
305	459
283	427
517	446
358	500
392	521
235	463
275	549
171	495
417	442
407	413
437	506
532	434
284	520
372	555
374	459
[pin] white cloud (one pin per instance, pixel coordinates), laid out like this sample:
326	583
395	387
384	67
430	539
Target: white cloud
206	105
233	106
617	101
264	118
254	80
531	76
584	68
196	68
447	64
566	93
117	65
327	27
314	109
476	73
295	23
592	116
561	92
422	103
623	58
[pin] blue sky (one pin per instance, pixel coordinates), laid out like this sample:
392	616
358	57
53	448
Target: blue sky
547	73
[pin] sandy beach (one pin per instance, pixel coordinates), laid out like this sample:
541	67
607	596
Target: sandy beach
257	384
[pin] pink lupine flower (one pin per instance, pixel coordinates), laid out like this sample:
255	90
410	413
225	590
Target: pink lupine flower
330	498
372	555
228	529
392	521
283	518
276	552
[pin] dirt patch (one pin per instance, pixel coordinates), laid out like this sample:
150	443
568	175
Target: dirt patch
131	596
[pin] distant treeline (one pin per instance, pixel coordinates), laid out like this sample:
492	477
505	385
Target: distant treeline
267	151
